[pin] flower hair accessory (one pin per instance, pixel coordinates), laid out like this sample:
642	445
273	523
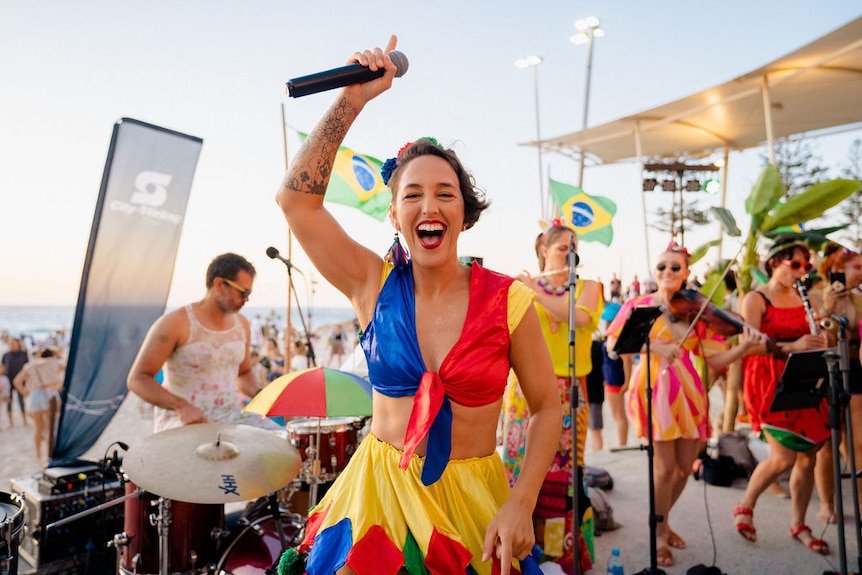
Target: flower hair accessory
392	163
674	247
546	226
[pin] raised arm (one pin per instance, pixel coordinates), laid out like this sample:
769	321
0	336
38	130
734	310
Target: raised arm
351	268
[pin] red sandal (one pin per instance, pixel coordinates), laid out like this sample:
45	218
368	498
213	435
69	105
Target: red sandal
745	528
816	545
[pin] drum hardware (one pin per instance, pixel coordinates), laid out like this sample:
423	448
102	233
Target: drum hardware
11	527
92	510
120	540
162	524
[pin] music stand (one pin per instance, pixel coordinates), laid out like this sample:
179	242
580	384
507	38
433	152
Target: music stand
803	382
633	337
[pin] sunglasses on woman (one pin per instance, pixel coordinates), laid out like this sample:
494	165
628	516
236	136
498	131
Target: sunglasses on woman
796	264
674	267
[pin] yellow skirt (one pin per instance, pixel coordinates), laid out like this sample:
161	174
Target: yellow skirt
377	518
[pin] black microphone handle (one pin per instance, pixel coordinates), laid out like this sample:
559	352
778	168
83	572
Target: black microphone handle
343	76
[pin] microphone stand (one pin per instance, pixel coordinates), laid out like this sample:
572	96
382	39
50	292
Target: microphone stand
309	354
839	396
633	337
574	406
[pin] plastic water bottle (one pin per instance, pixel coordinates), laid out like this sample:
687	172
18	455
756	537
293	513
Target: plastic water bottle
615	563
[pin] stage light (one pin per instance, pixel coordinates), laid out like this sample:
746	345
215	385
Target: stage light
712	186
649	184
692	186
668	186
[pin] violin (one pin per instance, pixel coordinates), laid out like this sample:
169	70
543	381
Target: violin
692	306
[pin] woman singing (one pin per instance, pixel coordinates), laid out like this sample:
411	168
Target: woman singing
426	489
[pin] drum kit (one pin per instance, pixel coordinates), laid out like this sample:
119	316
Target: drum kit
178	483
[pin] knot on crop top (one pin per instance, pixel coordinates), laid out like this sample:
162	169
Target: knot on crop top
473	373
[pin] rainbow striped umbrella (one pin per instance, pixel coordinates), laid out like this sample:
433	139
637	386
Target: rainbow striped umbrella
314	392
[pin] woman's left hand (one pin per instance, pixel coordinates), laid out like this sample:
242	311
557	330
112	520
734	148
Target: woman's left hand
509	535
750	337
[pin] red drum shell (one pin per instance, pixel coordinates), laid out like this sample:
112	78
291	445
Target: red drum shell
339	438
190	531
258	548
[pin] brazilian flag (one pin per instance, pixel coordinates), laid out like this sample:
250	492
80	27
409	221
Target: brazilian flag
356	182
590	216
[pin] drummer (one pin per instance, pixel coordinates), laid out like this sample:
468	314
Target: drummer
204	349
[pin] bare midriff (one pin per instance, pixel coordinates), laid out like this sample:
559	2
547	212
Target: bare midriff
474	429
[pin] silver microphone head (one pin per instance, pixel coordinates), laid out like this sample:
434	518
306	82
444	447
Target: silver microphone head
400	61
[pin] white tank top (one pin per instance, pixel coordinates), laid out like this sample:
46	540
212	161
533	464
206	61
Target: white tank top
203	371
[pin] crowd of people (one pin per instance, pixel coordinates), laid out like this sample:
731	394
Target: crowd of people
31	378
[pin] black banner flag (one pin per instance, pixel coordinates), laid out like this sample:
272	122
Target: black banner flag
127	273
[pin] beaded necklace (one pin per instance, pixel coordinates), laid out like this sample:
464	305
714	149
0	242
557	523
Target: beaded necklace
551	290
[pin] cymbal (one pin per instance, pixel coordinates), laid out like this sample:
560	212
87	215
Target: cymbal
212	463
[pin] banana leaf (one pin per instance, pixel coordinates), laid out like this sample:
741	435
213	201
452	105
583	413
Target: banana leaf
811	203
814	238
767	190
759	276
698	253
712	278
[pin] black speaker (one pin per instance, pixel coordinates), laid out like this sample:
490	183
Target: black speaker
79	546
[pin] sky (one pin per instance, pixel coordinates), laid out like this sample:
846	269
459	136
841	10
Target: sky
216	69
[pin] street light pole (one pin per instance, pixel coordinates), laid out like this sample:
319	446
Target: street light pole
588	29
533	62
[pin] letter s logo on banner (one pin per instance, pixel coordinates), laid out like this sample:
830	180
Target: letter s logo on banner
151	188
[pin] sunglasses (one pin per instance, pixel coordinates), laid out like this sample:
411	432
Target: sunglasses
796	264
674	267
243	293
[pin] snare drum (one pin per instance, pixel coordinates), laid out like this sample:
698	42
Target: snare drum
338	440
11	525
191	545
257	548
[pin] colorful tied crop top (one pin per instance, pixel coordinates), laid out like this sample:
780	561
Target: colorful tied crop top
473	373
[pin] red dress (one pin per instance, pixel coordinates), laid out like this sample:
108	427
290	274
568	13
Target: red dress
762	373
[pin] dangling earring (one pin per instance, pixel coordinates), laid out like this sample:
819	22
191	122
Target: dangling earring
396	255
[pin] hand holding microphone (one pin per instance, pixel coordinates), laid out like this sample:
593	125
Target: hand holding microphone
367	66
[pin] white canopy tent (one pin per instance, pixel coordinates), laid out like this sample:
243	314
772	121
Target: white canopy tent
814	90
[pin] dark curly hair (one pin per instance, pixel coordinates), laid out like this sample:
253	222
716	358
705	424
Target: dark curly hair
227	266
474	198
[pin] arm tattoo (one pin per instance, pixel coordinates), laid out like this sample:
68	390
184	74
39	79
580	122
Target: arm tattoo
313	164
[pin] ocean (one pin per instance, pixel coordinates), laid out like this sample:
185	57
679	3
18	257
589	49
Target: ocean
38	322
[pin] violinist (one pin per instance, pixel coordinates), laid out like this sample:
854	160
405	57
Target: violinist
839	297
794	436
680	418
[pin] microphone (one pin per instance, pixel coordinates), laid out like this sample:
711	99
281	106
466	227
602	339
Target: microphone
273	254
343	76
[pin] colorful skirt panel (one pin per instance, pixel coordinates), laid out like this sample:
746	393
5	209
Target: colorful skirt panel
377	518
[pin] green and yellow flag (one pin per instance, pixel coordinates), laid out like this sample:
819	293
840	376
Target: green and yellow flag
590	216
356	182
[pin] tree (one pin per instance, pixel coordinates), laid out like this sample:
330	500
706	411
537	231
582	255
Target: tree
680	218
798	167
851	209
